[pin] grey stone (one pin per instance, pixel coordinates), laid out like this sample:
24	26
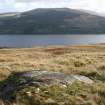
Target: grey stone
38	79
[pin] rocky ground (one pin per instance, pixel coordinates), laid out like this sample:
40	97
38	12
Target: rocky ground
50	88
38	79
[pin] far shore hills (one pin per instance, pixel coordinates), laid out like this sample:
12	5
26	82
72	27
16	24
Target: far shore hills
52	21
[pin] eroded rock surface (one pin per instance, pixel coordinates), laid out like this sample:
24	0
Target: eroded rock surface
48	77
18	81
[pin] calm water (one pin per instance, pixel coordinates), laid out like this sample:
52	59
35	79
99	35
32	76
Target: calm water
43	40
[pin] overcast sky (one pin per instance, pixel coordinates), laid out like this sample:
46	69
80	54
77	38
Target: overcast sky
24	5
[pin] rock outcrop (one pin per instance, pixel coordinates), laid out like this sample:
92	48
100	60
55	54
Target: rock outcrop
18	81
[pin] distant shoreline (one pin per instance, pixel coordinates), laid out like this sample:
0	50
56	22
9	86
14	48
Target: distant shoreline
55	34
50	46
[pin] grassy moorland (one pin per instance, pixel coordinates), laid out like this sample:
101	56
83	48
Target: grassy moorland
88	60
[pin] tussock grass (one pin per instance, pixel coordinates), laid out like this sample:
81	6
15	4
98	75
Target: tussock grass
88	60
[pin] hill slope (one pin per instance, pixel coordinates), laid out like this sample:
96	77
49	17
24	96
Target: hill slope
52	21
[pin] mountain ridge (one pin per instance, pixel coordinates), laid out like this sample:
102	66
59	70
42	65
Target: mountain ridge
52	21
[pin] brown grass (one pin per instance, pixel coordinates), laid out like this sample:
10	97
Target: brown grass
70	59
87	60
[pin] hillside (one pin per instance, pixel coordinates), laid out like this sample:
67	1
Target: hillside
52	21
